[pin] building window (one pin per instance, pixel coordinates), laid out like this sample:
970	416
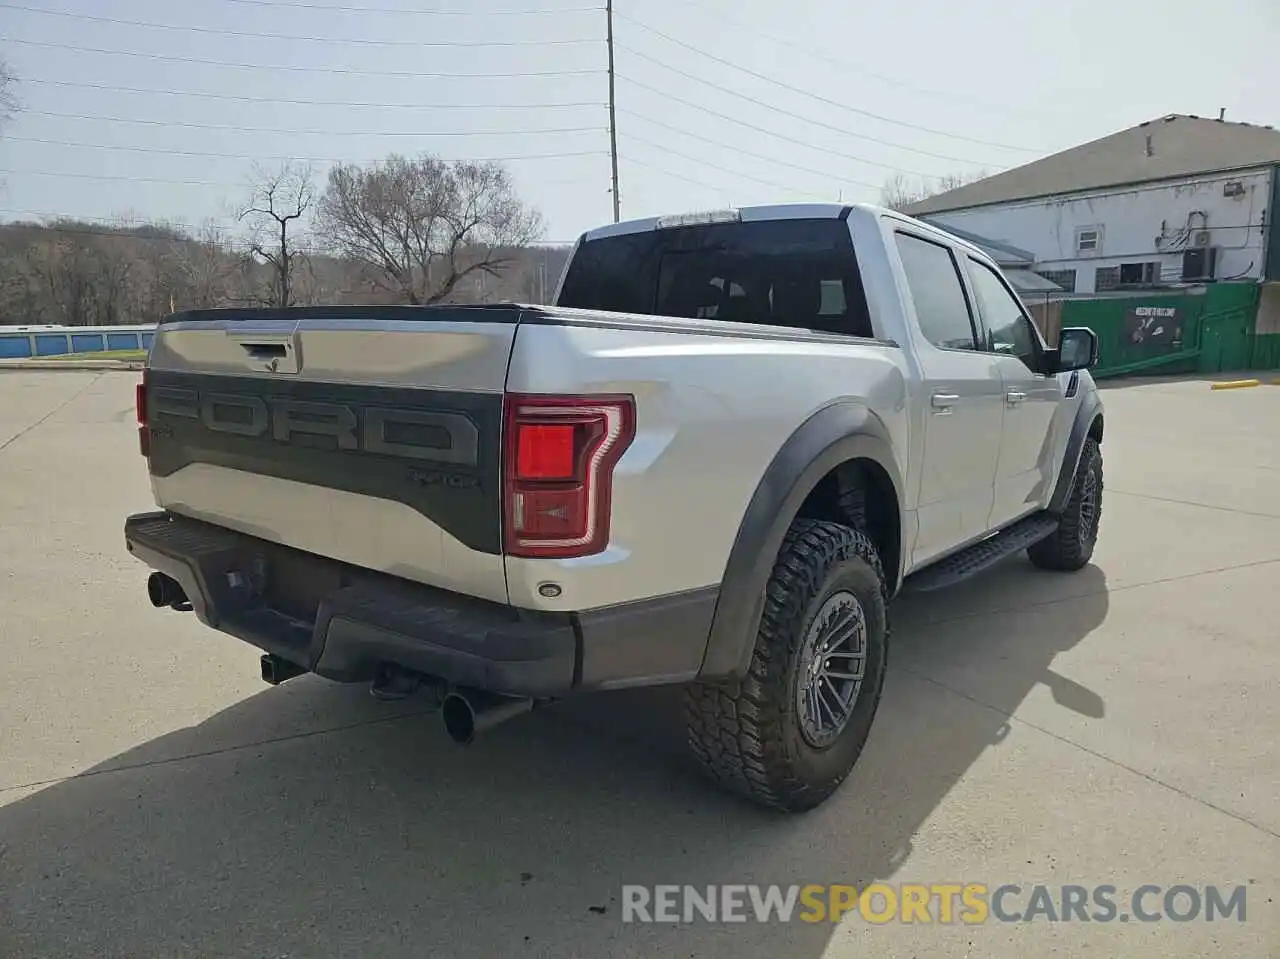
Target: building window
1063	278
1139	274
1106	278
1088	240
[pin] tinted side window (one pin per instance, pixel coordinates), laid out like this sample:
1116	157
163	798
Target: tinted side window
941	305
1008	326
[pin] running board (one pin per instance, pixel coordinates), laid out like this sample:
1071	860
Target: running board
983	555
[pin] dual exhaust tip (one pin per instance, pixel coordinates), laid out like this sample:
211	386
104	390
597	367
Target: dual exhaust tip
466	712
165	591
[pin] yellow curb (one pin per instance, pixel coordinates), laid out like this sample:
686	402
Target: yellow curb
1235	384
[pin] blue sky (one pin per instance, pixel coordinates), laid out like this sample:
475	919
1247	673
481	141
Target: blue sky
719	102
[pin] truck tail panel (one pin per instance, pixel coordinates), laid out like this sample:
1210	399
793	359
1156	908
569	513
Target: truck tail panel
373	437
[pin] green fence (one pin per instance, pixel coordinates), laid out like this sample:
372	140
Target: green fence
1206	330
1266	352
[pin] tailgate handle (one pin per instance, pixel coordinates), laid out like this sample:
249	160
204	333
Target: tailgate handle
264	351
270	353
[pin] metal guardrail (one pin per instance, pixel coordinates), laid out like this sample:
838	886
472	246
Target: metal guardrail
24	342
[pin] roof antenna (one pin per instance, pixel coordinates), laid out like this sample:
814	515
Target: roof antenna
1222	114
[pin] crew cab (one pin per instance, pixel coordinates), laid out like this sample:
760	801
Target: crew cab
732	440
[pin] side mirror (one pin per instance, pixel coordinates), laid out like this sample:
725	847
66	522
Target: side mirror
1078	349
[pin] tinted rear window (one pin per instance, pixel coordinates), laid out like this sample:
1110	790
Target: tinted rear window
794	273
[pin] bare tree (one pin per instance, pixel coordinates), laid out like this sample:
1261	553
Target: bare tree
207	266
424	225
899	192
279	201
8	99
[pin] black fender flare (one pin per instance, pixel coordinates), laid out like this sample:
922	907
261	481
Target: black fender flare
1090	409
841	431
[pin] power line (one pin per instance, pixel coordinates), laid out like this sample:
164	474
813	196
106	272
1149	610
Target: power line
675	176
126	230
847	64
113	177
818	97
541	11
282	130
313	103
131	178
747	153
304	159
774	133
289	36
332	70
791	113
703	162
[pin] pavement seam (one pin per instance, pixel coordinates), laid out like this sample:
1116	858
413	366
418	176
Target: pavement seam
205	754
1187	502
52	413
942	685
1149	777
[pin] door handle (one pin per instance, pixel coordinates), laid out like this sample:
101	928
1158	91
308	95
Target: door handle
942	402
1015	397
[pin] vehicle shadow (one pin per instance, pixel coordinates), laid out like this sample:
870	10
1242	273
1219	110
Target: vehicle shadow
384	839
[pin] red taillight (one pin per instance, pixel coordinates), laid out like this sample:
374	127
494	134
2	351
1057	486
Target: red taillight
144	425
558	471
545	451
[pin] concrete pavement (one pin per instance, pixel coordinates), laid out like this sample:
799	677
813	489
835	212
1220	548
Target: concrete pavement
1117	726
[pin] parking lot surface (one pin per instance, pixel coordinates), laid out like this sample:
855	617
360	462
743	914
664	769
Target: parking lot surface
1115	726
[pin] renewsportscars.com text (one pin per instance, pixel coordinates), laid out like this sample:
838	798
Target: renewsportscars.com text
945	903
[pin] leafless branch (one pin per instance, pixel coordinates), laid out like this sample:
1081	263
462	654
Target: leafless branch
423	226
899	192
278	201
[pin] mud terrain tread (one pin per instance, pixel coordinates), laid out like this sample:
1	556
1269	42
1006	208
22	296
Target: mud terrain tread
1062	550
738	735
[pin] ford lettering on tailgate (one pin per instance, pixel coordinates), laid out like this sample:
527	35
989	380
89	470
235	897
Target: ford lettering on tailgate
436	451
438	437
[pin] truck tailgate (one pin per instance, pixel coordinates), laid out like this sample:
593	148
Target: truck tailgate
367	435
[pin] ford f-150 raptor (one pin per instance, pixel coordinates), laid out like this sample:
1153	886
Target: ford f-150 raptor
712	462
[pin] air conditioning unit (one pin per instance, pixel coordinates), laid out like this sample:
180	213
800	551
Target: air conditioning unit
1201	238
1200	263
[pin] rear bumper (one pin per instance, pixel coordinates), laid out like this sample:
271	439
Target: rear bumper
344	622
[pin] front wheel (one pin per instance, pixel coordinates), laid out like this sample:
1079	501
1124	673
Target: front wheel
790	734
1070	546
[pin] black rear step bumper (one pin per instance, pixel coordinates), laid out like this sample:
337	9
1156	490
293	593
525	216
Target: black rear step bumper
343	622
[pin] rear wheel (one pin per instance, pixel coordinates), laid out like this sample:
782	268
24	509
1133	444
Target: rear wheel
1070	547
790	734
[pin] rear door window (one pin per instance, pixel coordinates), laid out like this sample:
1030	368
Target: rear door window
793	273
942	308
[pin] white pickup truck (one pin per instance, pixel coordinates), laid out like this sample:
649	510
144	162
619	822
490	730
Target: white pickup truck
713	462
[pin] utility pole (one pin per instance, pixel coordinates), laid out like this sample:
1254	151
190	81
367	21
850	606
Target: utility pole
613	118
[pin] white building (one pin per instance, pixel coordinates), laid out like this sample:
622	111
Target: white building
1176	201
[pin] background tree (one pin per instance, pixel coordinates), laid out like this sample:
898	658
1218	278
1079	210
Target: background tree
423	226
8	98
280	200
207	267
900	192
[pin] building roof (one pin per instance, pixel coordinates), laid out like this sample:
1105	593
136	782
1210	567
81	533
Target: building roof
1003	254
1173	146
1025	281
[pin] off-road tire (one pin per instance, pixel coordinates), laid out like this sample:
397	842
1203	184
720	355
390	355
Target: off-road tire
749	738
1070	546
